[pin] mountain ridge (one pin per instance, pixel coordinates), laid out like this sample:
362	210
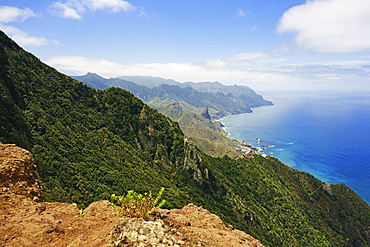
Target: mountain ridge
224	100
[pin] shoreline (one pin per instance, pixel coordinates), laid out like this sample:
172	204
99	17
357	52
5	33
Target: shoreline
242	146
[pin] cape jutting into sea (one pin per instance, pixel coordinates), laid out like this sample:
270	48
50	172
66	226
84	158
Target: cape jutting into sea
325	134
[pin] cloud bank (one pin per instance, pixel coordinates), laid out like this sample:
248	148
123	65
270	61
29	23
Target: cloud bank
329	26
253	69
23	38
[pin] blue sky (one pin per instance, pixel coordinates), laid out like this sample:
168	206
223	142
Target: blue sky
266	44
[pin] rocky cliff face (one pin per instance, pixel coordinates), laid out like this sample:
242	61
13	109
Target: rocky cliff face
194	162
18	175
27	221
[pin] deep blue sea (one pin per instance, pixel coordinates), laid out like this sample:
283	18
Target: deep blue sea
325	134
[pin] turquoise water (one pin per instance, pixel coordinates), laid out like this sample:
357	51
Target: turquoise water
327	135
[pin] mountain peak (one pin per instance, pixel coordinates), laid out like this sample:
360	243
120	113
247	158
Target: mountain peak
206	115
94	75
93	80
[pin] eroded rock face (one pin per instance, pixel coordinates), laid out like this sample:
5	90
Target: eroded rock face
18	175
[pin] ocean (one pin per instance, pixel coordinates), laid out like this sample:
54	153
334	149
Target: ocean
325	134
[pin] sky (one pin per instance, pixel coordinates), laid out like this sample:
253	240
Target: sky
265	44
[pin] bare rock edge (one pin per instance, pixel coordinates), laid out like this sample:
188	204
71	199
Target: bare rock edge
25	220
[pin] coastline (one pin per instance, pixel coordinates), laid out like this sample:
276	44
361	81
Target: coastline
242	146
301	126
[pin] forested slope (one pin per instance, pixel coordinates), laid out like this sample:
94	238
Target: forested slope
90	143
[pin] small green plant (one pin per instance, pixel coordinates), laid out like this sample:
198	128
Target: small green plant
81	213
136	205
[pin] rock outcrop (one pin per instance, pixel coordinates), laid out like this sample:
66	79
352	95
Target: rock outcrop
137	232
18	175
206	229
27	221
206	114
194	162
189	226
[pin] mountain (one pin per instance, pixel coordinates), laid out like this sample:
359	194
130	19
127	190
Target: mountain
95	81
150	81
220	99
242	93
246	94
89	144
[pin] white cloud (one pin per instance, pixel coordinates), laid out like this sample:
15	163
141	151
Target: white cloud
76	8
244	61
23	38
111	5
65	11
242	13
329	26
143	12
12	14
75	65
254	28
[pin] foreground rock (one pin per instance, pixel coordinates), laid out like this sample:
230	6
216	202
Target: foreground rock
18	175
27	221
205	228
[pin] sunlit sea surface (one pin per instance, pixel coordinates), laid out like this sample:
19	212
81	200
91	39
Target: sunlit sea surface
325	134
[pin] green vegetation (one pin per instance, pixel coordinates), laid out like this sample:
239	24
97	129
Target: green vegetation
136	205
89	144
81	212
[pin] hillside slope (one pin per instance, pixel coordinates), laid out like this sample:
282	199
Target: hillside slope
89	143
